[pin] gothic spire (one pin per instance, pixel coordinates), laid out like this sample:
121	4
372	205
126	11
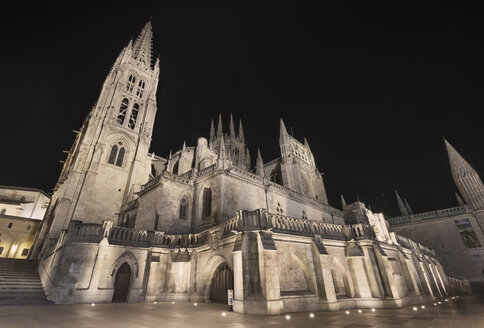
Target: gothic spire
401	205
231	127
241	130
219	127
466	178
343	202
283	130
260	164
142	47
212	131
459	200
407	206
221	150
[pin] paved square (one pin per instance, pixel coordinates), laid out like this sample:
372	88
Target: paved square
461	313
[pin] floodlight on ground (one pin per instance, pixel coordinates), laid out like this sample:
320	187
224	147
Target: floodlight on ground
224	314
373	310
288	317
195	304
423	306
172	302
347	312
92	304
311	315
360	311
415	308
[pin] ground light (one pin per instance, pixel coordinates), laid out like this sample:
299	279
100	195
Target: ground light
224	314
154	302
347	312
288	317
360	311
172	302
92	304
195	304
311	315
423	306
435	304
415	308
372	310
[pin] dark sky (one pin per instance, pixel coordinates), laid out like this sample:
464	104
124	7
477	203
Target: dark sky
372	87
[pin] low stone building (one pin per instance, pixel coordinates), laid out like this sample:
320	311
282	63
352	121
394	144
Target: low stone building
457	234
125	225
21	213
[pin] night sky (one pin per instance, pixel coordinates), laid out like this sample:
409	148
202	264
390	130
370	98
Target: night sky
373	88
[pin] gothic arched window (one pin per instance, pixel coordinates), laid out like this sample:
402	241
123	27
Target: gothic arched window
134	116
122	111
276	177
117	154
183	208
207	203
141	88
131	82
175	167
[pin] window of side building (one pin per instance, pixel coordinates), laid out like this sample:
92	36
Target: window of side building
467	233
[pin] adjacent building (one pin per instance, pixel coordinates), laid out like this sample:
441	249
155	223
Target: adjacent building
456	234
21	213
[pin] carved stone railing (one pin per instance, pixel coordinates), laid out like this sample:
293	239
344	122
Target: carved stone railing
207	169
446	212
414	246
130	237
151	183
85	233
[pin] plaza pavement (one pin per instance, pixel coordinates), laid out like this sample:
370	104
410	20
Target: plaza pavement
458	313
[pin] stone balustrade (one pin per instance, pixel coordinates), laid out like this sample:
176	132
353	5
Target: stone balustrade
431	215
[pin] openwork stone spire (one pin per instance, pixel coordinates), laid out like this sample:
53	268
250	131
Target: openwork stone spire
466	178
143	45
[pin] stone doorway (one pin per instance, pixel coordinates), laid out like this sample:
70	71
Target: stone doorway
222	280
121	283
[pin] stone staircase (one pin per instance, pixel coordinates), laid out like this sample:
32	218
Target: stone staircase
20	283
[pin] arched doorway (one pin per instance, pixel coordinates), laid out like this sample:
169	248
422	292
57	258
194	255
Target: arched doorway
121	283
223	279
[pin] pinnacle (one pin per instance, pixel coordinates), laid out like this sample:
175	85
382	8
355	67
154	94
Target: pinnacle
142	47
457	163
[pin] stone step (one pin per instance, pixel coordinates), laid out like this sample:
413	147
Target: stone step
20	292
20	283
22	297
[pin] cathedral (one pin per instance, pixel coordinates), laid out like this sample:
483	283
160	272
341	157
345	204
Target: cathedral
125	225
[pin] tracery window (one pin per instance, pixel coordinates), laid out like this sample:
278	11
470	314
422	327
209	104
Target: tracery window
122	111
207	203
183	208
134	116
116	156
141	88
131	82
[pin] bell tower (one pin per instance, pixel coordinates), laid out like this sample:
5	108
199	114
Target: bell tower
298	168
109	160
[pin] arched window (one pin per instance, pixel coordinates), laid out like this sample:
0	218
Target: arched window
130	84
117	154
114	153
119	160
276	177
141	88
175	167
134	116
207	203
122	111
183	208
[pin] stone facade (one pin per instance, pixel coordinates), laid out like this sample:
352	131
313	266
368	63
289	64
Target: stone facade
190	226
